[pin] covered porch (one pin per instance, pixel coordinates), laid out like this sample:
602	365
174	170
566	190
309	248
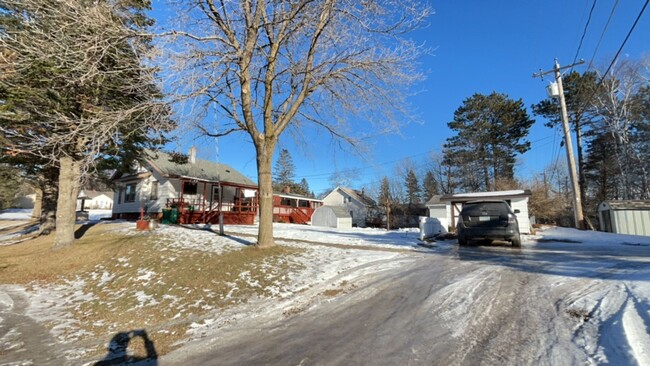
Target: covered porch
204	202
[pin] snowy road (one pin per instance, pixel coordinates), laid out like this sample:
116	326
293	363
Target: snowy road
550	303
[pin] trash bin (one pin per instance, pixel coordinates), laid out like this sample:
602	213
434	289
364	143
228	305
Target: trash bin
173	216
166	215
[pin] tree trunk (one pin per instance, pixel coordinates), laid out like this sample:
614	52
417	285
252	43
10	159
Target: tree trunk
264	159
38	203
69	174
48	187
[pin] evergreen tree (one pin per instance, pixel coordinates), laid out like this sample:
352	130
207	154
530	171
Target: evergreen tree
430	186
491	131
75	90
284	171
412	188
386	199
303	187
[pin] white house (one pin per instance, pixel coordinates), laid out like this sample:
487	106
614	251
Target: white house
198	189
446	208
97	200
362	208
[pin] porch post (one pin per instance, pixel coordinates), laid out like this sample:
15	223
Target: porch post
205	185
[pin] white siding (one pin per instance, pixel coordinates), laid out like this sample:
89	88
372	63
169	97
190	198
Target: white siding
325	216
632	222
358	210
439	211
521	204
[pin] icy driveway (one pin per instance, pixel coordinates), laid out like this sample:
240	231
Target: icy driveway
571	298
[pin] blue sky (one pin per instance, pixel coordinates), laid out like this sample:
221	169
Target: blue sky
479	47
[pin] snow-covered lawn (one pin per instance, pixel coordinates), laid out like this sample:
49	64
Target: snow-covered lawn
598	284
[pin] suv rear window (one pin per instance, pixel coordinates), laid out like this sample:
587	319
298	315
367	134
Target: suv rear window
485	208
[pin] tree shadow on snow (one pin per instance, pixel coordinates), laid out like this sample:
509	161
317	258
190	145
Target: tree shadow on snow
118	353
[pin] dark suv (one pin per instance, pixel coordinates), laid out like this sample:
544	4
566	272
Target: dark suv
491	220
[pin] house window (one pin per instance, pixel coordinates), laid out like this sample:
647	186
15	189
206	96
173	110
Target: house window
189	187
154	191
129	193
303	203
285	201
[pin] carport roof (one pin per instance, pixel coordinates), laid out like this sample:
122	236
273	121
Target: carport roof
501	195
628	205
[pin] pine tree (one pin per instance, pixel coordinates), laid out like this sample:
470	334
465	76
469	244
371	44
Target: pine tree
284	171
386	199
412	189
76	89
491	131
430	186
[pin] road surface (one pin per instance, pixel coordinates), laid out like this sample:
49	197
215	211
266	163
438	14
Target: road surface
545	304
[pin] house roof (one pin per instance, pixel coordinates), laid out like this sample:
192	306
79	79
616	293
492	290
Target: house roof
359	196
297	196
628	205
201	169
435	200
464	197
93	194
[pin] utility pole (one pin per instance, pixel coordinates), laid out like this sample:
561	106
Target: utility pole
575	184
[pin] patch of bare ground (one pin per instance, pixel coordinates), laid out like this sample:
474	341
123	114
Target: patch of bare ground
132	282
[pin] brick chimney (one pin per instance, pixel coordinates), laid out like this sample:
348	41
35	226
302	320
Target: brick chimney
286	190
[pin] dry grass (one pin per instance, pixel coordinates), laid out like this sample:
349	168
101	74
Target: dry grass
140	282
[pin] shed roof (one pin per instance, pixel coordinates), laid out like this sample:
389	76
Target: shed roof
628	205
464	197
435	200
201	169
339	211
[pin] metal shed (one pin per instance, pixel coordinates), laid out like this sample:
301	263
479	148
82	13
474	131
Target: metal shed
332	216
625	217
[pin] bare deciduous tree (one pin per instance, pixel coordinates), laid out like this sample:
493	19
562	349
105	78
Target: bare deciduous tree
76	88
265	66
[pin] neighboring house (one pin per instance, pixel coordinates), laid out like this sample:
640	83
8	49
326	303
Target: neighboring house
446	208
200	190
362	208
625	217
337	217
293	208
97	200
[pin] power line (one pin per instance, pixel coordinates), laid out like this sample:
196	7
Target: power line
584	33
611	64
602	34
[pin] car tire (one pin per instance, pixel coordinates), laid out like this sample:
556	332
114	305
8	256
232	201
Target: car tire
462	240
516	241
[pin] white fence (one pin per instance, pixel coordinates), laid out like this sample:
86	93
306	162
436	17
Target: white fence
429	227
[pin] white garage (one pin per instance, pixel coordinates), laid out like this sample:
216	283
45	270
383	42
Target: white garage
332	216
447	207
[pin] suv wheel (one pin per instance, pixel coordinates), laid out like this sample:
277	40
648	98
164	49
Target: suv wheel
462	240
516	241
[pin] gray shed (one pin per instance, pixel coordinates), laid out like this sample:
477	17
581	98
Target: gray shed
332	216
625	217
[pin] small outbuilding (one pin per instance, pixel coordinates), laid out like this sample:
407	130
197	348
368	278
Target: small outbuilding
446	208
332	216
625	217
